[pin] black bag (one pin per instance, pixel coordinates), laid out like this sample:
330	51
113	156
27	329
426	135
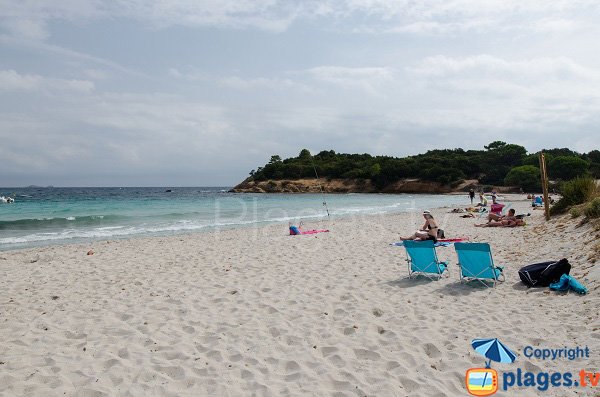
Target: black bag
542	274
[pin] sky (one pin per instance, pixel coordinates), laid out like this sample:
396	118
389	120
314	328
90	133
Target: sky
200	92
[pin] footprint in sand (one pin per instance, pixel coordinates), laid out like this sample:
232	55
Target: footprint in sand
247	375
125	317
409	384
340	312
391	365
349	331
341	385
292	366
327	351
116	380
337	361
123	353
364	354
531	367
90	393
235	358
251	361
215	355
293	377
174	372
431	350
274	332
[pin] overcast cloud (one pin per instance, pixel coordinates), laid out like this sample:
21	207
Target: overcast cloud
171	93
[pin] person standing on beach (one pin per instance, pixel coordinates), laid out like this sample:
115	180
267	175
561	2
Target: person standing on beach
471	195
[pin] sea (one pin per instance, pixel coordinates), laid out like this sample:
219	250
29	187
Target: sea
62	215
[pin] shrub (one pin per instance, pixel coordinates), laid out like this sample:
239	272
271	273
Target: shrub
593	208
574	192
575	212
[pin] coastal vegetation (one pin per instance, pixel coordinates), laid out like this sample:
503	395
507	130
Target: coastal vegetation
498	164
593	208
580	190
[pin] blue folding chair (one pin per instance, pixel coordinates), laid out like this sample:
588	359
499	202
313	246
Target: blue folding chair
476	263
422	259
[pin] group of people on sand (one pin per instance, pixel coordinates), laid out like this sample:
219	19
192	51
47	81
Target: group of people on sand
509	220
483	201
538	201
431	231
482	205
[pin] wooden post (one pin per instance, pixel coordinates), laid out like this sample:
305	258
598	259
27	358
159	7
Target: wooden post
544	185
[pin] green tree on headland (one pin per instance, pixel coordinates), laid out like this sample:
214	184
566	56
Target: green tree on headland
567	167
500	163
527	177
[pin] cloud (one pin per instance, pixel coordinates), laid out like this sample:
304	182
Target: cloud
367	79
488	92
543	80
10	80
26	28
28	19
119	87
537	68
240	83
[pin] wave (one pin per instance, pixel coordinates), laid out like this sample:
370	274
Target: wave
57	222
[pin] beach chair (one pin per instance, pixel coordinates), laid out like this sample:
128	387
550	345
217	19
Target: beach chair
476	263
422	259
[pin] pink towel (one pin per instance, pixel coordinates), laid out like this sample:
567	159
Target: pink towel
314	231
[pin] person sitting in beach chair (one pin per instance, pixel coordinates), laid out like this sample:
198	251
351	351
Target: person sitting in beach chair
429	230
496	207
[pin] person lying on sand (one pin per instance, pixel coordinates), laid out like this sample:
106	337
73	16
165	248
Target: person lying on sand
428	231
509	220
495	216
475	209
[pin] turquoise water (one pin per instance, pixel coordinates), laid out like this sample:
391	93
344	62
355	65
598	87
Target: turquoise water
44	216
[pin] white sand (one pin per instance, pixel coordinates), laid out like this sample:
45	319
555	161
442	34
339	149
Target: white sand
257	312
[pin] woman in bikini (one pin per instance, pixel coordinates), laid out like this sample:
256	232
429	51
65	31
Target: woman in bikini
428	231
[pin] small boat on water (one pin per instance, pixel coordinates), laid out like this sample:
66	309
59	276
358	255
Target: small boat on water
6	200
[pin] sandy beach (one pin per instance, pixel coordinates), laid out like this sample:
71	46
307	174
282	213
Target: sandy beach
256	312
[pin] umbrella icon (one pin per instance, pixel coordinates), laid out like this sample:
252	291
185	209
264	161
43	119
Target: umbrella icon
493	349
